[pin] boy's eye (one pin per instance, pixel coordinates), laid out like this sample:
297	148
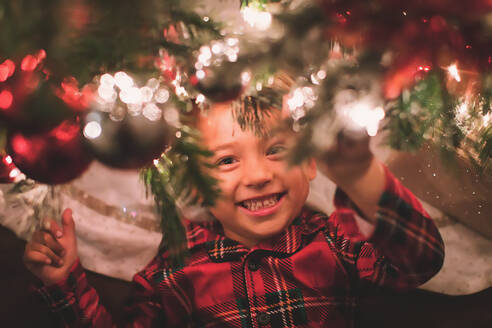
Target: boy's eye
226	161
275	150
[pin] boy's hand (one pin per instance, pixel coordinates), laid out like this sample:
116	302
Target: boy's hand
52	250
347	160
351	165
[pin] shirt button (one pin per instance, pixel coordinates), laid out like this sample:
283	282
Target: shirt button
263	318
253	265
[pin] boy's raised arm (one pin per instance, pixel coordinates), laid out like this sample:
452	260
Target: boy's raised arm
405	248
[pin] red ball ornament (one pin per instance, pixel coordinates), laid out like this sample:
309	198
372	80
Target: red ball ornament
52	157
28	101
221	84
125	142
8	171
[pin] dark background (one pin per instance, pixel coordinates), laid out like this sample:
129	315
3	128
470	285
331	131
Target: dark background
378	308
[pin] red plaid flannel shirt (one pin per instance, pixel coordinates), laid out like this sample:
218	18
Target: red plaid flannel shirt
305	277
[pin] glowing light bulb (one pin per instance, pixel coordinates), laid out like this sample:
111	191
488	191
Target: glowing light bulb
462	109
200	74
107	93
181	91
453	71
303	97
131	95
6	99
107	80
171	115
146	93
161	96
365	117
14	173
232	57
153	83
200	98
205	55
260	20
8	160
92	130
217	48
486	119
7	68
245	77
231	42
123	80
198	65
152	112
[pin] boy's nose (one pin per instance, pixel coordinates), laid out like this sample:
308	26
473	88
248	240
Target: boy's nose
257	174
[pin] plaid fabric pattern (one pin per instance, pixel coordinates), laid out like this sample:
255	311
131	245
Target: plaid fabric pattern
305	277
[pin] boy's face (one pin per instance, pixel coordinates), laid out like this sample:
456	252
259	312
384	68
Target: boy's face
260	193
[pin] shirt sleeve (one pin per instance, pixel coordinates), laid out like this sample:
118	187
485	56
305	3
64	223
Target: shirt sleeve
403	251
77	304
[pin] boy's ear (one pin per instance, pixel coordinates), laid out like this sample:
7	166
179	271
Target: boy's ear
310	168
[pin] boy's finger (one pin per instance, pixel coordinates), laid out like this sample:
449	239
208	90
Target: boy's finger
68	223
47	239
42	249
52	226
34	257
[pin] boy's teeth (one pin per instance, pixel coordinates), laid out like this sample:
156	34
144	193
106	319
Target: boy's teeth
255	205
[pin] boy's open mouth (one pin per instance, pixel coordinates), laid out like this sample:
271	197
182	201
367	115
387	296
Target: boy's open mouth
259	203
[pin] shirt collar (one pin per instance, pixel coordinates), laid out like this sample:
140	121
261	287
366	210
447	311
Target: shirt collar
222	249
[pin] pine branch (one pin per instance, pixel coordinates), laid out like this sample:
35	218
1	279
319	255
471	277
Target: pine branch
179	175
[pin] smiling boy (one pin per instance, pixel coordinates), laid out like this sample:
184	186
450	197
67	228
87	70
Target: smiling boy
266	260
260	194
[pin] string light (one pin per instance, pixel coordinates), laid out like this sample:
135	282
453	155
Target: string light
14	173
131	95
245	77
133	100
152	112
7	69
260	20
92	130
486	119
216	53
453	71
6	99
161	95
200	99
200	74
462	116
107	80
365	117
317	77
301	99
123	80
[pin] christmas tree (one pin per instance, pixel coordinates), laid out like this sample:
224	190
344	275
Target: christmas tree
116	81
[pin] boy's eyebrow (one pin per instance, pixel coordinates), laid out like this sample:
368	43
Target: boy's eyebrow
222	146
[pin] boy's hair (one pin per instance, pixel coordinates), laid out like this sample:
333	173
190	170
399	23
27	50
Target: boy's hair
250	111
